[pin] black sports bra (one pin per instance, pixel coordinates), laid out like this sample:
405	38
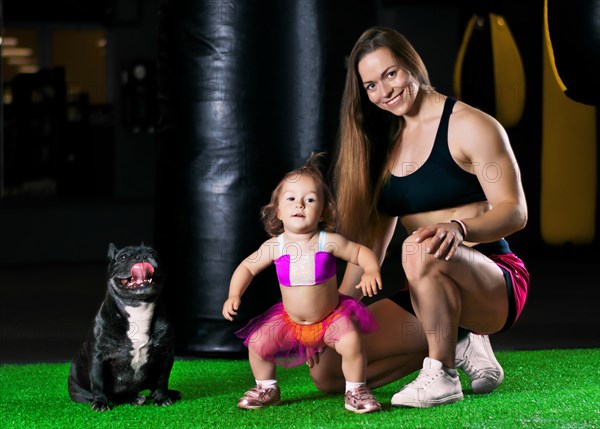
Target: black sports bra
438	184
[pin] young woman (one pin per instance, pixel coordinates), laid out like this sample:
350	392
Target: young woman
444	171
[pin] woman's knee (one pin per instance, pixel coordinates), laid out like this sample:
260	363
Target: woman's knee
326	383
415	261
327	375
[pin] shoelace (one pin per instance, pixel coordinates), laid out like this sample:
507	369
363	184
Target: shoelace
467	367
258	393
425	378
362	393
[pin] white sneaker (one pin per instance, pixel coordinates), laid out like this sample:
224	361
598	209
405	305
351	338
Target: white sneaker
431	388
474	355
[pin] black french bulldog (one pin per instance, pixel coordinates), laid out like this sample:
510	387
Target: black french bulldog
130	346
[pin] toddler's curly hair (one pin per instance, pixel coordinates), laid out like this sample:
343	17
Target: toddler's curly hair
273	225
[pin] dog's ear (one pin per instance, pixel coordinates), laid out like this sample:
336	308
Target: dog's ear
112	251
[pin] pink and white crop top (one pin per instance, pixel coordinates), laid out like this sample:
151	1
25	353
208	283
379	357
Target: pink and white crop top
304	270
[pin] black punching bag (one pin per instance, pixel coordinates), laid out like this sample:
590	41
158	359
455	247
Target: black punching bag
240	95
574	32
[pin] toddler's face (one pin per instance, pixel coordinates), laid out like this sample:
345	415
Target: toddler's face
300	204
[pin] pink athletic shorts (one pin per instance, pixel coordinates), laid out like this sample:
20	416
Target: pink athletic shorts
516	277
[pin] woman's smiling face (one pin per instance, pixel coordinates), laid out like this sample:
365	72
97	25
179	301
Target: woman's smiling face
387	84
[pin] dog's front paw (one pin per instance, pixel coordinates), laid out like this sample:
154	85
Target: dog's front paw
175	395
164	400
138	400
100	405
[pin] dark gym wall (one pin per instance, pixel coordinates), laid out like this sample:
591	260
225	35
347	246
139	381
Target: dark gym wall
434	30
76	230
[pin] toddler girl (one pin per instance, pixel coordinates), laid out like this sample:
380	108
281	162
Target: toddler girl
312	314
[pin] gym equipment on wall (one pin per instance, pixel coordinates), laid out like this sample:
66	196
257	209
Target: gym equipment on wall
489	72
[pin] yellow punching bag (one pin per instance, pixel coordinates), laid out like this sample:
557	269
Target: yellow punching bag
489	72
568	182
508	72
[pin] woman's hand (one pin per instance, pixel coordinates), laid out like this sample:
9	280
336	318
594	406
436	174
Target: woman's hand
370	283
441	239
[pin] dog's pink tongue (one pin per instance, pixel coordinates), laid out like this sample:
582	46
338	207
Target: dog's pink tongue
141	272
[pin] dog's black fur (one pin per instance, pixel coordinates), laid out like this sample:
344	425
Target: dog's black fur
125	354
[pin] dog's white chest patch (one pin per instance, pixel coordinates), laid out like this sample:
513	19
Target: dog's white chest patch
139	319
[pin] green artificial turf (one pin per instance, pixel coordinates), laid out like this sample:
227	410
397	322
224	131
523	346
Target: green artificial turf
542	389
